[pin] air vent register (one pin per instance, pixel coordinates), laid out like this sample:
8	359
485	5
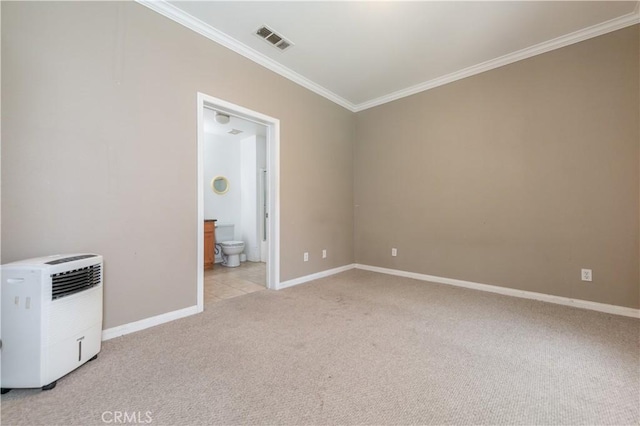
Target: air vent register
276	40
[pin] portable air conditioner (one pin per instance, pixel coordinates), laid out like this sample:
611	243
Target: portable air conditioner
51	318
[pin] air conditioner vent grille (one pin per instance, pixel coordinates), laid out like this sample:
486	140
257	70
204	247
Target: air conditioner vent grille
264	32
273	38
283	45
71	282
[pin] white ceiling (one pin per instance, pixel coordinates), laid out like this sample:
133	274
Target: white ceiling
248	128
362	54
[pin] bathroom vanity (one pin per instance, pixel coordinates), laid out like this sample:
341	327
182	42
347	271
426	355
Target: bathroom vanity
209	243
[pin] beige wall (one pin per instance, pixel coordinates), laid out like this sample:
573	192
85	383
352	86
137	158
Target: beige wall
517	177
99	149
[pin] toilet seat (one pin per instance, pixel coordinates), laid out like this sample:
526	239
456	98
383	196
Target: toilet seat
232	243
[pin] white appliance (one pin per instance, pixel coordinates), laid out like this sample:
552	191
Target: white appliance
51	318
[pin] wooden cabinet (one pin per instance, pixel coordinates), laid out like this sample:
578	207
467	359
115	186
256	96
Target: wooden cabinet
209	244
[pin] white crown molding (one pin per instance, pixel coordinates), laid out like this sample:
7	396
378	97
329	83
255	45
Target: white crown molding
175	14
506	291
547	46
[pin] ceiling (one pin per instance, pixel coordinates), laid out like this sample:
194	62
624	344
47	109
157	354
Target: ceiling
248	128
362	54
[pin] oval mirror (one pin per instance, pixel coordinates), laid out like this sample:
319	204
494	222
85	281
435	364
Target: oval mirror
220	185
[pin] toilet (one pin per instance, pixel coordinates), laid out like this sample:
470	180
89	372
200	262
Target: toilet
231	249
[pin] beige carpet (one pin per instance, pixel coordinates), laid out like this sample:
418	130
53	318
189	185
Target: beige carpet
358	348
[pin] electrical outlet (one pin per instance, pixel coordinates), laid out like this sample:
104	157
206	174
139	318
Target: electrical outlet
394	252
306	256
324	254
587	275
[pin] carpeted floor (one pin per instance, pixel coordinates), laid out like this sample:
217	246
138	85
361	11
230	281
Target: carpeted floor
357	348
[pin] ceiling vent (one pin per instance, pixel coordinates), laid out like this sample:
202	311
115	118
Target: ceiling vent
270	36
234	132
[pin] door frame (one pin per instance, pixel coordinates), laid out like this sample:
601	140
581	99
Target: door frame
273	192
263	189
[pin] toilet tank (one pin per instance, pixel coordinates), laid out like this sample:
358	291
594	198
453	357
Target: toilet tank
224	232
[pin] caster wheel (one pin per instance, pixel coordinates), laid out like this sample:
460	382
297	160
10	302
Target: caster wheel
50	386
94	357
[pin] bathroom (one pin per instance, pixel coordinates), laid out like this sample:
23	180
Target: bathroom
235	173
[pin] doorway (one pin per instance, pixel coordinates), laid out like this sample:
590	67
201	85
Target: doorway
267	244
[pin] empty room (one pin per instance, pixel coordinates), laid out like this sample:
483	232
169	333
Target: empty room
310	213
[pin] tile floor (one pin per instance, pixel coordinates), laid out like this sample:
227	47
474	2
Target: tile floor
224	283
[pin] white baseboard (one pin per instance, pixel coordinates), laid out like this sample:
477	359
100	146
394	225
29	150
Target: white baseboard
132	327
577	303
317	275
